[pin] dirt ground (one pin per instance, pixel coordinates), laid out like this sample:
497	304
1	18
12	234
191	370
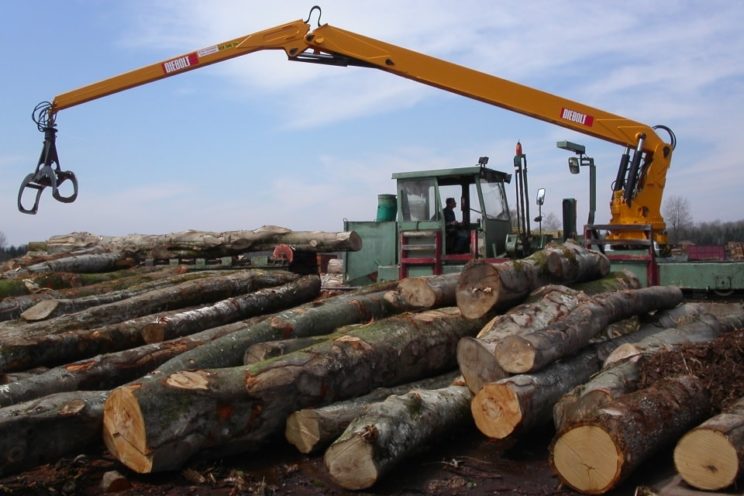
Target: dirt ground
462	463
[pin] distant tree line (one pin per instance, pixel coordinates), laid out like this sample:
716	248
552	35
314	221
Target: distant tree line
681	227
8	252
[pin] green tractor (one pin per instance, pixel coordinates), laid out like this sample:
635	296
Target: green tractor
414	235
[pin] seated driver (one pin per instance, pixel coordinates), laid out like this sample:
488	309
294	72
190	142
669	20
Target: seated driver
457	239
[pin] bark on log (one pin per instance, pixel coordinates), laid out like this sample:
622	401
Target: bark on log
108	370
94	262
515	404
621	377
532	351
44	430
475	356
190	293
711	456
594	456
271	349
484	286
229	310
157	425
312	429
312	319
392	430
429	291
210	244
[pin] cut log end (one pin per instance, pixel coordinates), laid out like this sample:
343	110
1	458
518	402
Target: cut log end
587	459
706	459
496	411
515	354
40	311
417	292
477	364
351	464
124	432
153	333
478	290
302	430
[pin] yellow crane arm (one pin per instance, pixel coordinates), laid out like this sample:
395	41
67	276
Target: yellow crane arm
640	182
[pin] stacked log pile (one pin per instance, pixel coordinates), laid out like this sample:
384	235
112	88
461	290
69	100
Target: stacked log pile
164	364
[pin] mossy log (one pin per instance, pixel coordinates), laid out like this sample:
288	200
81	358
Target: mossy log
261	302
185	294
392	430
312	429
484	286
595	455
46	429
531	351
311	319
156	425
711	456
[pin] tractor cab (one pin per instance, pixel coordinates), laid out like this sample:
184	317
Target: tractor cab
416	236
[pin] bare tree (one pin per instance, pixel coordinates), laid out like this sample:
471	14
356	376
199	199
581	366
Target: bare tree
677	216
551	222
3	240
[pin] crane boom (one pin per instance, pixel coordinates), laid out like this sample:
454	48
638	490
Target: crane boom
640	182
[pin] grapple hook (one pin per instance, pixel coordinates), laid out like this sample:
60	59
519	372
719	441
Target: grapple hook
48	173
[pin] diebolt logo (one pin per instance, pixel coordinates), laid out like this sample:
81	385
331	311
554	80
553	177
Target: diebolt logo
180	63
577	117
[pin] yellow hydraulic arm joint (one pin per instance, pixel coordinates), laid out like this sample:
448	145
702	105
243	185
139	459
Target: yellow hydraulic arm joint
641	177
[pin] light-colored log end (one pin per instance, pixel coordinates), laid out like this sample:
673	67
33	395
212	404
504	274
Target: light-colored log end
40	311
351	463
478	289
706	459
477	363
417	293
124	432
496	411
302	430
587	459
515	354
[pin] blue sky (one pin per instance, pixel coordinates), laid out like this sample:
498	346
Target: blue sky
259	140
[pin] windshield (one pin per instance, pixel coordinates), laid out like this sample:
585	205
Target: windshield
494	200
418	200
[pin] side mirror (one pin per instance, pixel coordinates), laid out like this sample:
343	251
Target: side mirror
541	196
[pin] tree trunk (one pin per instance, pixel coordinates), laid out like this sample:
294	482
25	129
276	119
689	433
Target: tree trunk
711	456
393	430
483	286
108	370
156	425
210	244
429	291
107	293
44	430
475	356
259	302
312	319
532	351
515	404
271	349
94	262
190	293
595	455
312	429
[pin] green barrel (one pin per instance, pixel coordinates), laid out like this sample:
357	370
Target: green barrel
386	208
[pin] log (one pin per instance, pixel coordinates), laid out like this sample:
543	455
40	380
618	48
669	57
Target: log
185	294
108	370
595	455
532	351
429	291
619	377
155	425
46	429
312	319
229	310
271	349
209	244
93	262
711	456
484	286
312	429
393	430
475	355
518	403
